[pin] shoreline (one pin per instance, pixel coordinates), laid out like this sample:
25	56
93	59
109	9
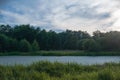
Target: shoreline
60	53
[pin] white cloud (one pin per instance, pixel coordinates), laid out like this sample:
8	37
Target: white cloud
15	18
86	15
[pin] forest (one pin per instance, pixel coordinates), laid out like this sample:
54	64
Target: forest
27	38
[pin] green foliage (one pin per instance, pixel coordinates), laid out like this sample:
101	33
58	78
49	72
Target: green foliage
25	46
91	45
25	32
47	40
60	53
35	46
112	41
3	43
60	71
10	37
105	75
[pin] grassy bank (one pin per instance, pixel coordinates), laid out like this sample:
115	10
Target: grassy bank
60	71
61	53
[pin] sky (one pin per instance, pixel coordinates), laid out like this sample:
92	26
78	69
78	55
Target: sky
59	15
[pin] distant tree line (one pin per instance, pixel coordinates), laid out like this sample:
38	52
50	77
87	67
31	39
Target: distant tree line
26	38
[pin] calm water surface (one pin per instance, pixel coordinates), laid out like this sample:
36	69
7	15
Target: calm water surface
85	60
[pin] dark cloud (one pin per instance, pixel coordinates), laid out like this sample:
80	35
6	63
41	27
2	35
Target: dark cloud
70	6
104	15
2	2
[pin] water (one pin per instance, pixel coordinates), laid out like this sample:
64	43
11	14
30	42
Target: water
85	60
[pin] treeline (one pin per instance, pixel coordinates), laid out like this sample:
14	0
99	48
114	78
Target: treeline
25	38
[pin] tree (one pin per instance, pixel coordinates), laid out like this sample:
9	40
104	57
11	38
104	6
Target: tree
80	44
25	46
25	32
13	45
42	38
35	46
111	41
6	30
91	45
3	43
8	44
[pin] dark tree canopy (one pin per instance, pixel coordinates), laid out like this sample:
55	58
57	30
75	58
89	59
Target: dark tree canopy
29	38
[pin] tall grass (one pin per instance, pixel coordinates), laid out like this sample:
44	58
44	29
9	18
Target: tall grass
60	71
61	53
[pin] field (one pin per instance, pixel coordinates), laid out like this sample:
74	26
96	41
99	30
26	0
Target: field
60	71
60	53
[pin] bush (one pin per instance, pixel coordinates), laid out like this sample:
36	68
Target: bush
25	46
35	46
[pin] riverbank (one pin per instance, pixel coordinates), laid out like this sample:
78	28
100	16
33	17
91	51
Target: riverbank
60	71
60	53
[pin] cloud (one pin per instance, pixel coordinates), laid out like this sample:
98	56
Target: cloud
3	1
87	15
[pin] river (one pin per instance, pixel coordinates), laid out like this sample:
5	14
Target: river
84	60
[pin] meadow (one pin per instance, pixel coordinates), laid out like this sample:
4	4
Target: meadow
45	70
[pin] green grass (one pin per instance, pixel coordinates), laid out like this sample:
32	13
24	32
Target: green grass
61	53
60	71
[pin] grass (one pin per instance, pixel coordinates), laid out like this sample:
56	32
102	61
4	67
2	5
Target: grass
61	53
60	71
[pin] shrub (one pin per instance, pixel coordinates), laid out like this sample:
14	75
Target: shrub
25	46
